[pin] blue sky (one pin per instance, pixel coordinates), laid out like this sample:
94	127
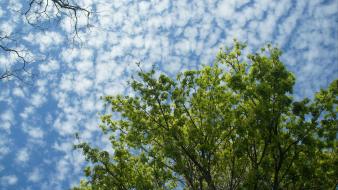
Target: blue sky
38	120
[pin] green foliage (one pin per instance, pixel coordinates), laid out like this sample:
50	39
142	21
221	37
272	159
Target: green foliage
230	125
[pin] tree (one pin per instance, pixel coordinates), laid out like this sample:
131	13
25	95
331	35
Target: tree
230	125
40	14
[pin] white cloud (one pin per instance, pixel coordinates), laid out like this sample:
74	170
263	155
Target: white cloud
84	67
82	85
66	83
7	28
51	66
35	175
27	112
68	55
35	133
9	180
7	120
4	145
63	146
66	127
226	8
37	100
22	155
62	167
67	24
45	40
18	92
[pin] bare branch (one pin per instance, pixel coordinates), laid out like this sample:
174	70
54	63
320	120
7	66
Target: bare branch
41	12
13	71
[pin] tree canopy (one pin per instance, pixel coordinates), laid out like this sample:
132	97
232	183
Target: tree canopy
230	125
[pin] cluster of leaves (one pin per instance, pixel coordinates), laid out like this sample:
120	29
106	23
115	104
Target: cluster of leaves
231	125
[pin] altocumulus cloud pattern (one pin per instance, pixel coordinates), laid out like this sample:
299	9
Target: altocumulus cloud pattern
38	120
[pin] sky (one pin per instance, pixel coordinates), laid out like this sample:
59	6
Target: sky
39	116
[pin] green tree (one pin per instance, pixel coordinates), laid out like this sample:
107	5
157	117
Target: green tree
230	125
